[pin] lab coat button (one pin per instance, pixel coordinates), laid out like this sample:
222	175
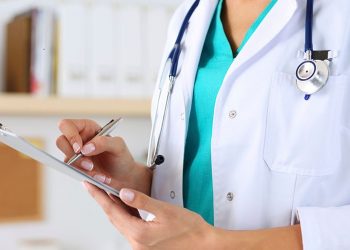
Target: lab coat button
229	196
182	116
232	114
172	195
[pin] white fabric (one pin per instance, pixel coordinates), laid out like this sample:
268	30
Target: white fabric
325	228
280	153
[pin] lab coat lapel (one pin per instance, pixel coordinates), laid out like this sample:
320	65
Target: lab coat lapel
278	17
192	48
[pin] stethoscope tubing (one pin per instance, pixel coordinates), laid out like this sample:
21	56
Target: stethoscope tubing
176	51
309	25
173	58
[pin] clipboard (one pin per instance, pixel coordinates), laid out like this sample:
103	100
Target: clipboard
21	145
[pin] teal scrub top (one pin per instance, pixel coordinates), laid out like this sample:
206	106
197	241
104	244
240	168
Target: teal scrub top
216	58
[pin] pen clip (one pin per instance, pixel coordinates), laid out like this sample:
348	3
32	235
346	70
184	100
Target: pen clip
105	130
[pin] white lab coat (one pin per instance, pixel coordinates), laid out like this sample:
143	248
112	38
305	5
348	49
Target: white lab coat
276	158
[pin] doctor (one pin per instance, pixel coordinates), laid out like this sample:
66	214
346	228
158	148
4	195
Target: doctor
250	159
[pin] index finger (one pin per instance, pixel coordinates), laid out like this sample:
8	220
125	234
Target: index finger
78	130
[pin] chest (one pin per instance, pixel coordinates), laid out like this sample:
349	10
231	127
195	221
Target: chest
238	17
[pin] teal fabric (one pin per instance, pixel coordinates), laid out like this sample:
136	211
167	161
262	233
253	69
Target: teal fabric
215	60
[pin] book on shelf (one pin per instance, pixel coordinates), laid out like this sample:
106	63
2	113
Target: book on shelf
18	53
30	47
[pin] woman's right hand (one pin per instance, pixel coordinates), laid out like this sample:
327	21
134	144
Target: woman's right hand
106	158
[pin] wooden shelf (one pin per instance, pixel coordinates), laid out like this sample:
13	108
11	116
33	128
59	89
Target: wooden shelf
23	105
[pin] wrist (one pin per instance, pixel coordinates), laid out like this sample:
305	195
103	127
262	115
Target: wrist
142	178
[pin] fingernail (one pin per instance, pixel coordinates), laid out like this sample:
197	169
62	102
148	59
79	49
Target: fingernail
88	149
127	195
108	180
100	178
84	185
87	165
76	147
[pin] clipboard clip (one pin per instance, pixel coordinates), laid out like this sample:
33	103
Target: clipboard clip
3	128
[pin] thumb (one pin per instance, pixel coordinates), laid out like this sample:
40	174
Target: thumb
141	201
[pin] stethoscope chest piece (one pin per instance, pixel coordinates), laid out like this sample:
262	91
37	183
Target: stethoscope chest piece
312	76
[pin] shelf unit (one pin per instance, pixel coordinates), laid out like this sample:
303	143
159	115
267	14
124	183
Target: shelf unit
27	105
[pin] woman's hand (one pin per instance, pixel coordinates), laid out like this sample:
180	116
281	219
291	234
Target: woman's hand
177	228
107	159
172	228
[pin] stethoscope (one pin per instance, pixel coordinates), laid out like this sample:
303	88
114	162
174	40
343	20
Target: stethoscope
312	75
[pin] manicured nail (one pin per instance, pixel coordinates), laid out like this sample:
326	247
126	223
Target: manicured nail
108	180
84	185
88	149
76	147
87	165
100	178
127	195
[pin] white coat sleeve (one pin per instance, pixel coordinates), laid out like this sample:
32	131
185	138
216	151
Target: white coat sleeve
325	228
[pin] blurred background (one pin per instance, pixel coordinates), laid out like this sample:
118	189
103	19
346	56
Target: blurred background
94	59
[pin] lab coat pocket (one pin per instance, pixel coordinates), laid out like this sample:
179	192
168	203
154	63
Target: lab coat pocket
302	136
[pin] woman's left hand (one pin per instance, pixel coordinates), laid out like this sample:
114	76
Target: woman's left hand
172	228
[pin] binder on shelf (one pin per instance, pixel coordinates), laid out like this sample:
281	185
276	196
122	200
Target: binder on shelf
132	54
104	42
18	53
99	49
74	55
29	52
44	43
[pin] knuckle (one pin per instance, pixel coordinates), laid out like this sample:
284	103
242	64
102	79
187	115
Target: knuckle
63	145
73	138
67	129
62	124
119	140
168	211
100	140
115	144
120	144
59	141
143	203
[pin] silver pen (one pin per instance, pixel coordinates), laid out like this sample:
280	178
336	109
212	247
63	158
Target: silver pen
105	130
